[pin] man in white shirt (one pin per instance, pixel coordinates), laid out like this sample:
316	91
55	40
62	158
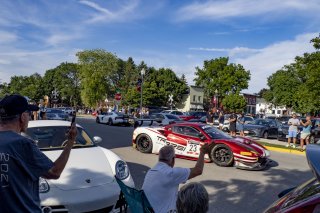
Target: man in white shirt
293	130
161	183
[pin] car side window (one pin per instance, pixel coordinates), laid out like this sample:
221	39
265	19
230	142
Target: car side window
189	131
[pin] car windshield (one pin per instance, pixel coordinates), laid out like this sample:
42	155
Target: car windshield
53	137
190	113
261	122
119	113
215	133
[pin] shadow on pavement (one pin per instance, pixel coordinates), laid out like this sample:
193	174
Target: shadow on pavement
138	172
230	195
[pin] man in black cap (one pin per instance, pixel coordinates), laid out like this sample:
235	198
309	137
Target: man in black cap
21	161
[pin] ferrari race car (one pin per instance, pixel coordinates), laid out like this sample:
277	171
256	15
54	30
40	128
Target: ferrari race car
187	138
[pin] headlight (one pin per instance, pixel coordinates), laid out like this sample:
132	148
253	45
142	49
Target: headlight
122	170
43	186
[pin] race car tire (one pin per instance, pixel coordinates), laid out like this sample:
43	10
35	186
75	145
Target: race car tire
265	135
144	143
97	120
221	155
110	122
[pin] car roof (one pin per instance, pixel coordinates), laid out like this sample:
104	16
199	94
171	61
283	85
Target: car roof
43	123
187	124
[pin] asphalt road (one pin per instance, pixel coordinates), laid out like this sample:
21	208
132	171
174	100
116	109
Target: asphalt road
230	189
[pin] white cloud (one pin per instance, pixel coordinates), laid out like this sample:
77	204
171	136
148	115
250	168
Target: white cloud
231	51
7	37
222	9
273	57
104	14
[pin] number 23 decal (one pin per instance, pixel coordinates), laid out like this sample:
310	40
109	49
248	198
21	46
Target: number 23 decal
193	148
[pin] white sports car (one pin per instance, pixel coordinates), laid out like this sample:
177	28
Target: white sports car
112	118
87	182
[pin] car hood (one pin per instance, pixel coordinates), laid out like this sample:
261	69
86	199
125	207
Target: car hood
86	167
246	144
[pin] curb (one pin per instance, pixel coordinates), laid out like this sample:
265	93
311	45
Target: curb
291	151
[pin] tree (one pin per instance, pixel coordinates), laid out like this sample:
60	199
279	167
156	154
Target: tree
234	103
97	69
30	86
218	74
65	78
183	79
297	85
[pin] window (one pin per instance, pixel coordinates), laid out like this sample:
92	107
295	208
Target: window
278	112
185	130
199	98
194	98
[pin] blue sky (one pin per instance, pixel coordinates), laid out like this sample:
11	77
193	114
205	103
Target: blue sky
264	35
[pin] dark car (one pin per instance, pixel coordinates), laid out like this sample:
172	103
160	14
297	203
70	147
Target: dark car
199	120
262	128
306	197
193	115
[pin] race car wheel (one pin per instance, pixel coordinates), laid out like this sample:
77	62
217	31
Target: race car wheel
311	139
222	155
97	120
144	143
110	122
265	135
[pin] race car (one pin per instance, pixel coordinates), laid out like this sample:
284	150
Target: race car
112	118
187	138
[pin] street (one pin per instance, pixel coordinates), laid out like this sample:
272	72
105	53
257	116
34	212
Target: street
230	189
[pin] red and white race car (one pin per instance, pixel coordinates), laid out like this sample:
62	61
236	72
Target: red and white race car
187	138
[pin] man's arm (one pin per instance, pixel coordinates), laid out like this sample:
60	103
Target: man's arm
60	163
198	169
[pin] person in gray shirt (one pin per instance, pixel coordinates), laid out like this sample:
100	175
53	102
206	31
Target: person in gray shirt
293	130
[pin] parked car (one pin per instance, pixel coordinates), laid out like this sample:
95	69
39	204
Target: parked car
187	138
165	118
113	118
56	114
262	128
174	112
306	197
87	183
199	120
192	115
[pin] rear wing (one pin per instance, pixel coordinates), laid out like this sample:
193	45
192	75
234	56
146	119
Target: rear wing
145	122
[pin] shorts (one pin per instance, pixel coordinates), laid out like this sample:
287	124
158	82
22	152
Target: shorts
304	135
292	133
232	127
240	127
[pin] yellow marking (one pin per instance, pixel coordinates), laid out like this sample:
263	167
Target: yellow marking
292	151
246	153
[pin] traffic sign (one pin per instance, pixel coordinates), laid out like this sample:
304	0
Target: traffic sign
118	96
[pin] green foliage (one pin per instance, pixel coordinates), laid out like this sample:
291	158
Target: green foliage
66	80
234	103
316	42
217	74
30	86
298	85
97	70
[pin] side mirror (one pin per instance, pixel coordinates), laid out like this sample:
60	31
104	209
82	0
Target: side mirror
97	139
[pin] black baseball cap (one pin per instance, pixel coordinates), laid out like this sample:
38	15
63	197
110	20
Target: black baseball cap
12	105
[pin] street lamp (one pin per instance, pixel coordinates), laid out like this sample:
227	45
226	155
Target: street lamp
143	72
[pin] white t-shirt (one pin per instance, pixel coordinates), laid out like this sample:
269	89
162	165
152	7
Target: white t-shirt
294	124
161	186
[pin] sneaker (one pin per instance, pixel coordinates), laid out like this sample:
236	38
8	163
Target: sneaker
293	146
287	145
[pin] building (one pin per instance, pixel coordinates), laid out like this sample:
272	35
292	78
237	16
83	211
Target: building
268	109
251	100
192	101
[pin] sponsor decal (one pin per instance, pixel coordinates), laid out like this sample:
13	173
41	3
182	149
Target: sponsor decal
176	146
246	153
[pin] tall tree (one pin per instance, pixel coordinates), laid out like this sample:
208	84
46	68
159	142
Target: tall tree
218	75
97	68
234	103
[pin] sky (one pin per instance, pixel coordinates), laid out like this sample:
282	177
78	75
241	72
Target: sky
263	36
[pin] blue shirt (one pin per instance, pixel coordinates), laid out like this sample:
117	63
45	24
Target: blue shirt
21	165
